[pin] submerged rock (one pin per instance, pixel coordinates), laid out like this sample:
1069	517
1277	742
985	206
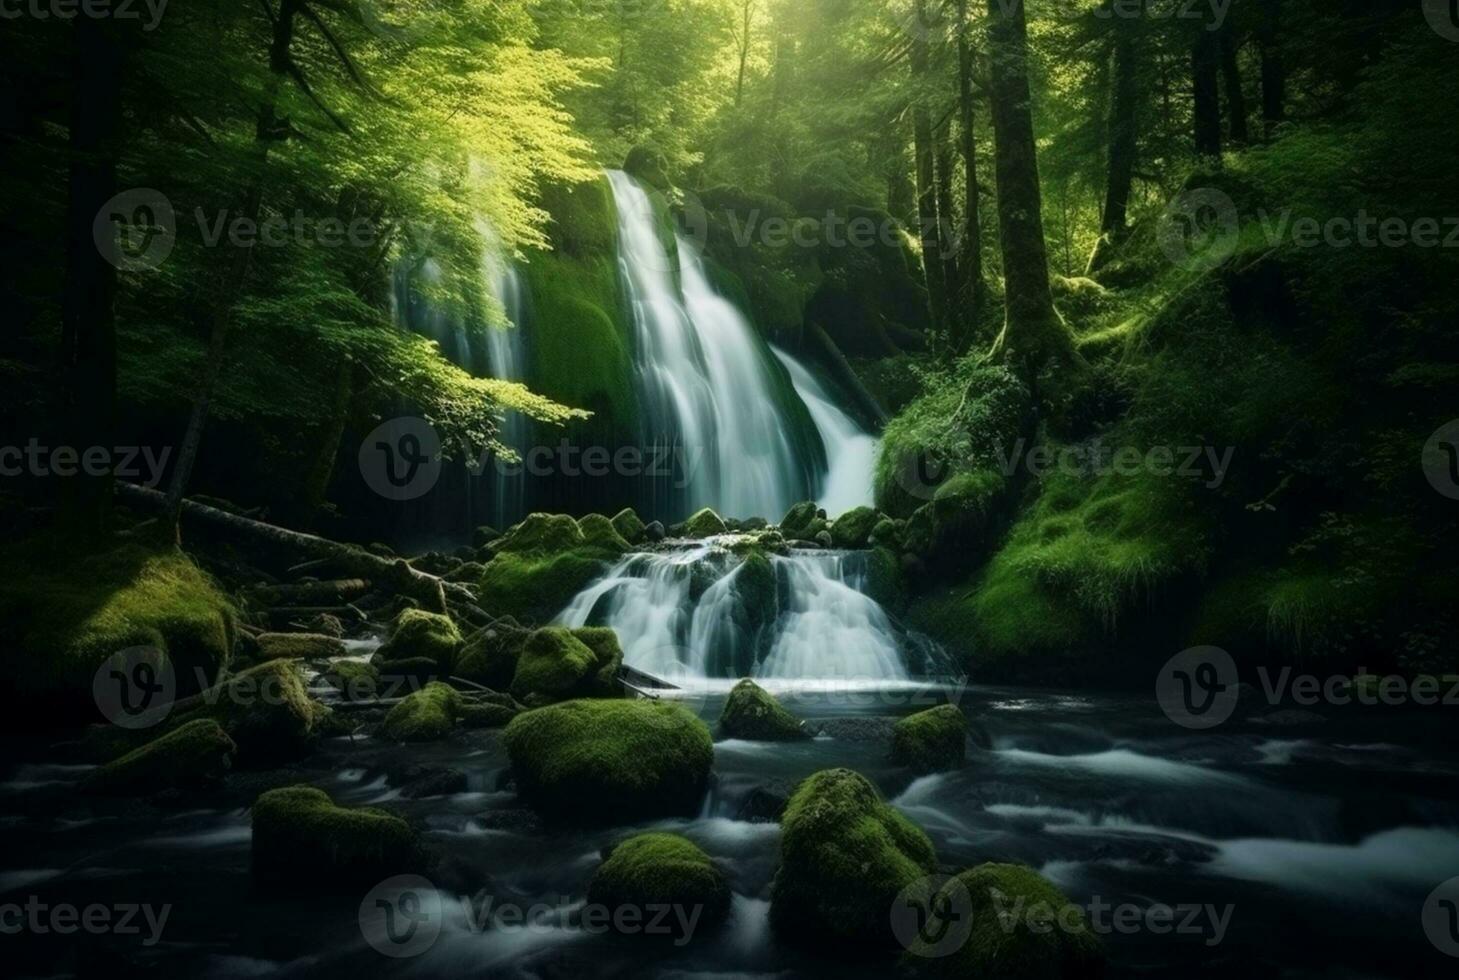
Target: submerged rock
303	842
930	741
190	757
663	870
601	762
752	713
845	855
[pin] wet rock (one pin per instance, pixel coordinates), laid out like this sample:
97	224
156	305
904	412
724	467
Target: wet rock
419	782
193	756
752	713
303	842
655	532
931	741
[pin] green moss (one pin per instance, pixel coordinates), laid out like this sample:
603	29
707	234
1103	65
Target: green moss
599	532
488	714
887	533
647	164
542	533
534	589
751	712
490	656
662	869
1047	938
303	842
424	716
884	580
844	857
63	615
265	710
354	679
629	525
703	524
598	762
798	521
557	664
853	528
298	646
188	757
931	741
417	634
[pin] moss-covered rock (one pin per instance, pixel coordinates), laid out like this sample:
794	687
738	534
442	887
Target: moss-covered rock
884	580
704	524
662	869
424	716
799	520
62	615
853	528
1046	938
557	664
191	756
752	713
845	855
265	710
599	762
303	842
354	679
539	533
887	534
600	532
534	589
490	655
417	634
297	646
629	525
493	711
934	740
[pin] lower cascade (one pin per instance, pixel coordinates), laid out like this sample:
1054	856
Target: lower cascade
703	613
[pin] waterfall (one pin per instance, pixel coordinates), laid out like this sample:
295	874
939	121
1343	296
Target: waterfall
693	615
506	358
851	450
707	383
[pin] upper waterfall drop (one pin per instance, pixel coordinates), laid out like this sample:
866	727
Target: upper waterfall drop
850	450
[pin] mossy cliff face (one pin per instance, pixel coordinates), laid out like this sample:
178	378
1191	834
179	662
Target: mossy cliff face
845	855
63	615
303	842
662	869
602	762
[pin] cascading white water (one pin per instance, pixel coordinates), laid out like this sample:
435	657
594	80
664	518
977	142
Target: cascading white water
506	358
706	380
695	615
850	450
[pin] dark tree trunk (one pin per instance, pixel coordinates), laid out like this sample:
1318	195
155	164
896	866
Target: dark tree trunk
927	180
946	234
1033	332
1114	222
1273	68
1205	71
971	259
1231	78
88	322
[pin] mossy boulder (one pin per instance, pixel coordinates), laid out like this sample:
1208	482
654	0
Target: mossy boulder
192	756
297	646
539	533
662	869
303	842
799	521
845	855
535	588
610	761
557	664
266	710
490	656
63	615
752	713
853	528
629	525
353	679
488	711
425	716
934	740
1048	938
887	534
417	634
704	524
599	532
884	580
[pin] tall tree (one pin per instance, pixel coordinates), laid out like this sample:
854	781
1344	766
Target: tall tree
926	153
970	262
1231	79
1120	174
1205	70
1273	67
743	33
1033	331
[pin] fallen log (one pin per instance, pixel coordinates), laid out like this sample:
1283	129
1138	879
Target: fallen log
428	590
311	593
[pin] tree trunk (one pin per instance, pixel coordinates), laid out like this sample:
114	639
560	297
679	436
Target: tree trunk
88	321
927	180
219	314
1033	332
1114	222
747	9
971	258
1231	78
946	237
1205	65
1273	68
